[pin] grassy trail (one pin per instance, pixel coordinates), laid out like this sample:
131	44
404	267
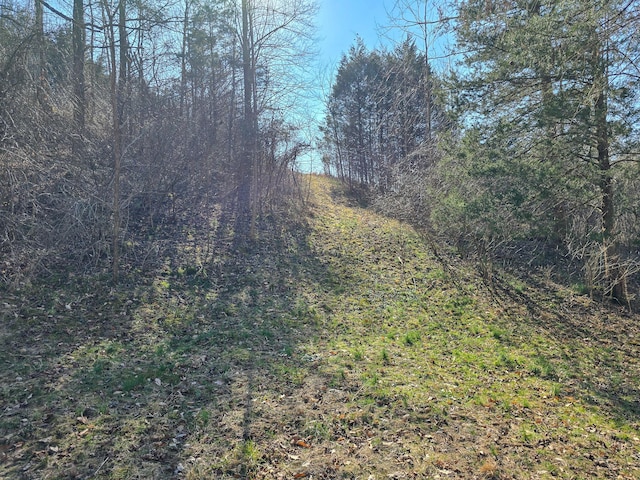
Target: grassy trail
339	347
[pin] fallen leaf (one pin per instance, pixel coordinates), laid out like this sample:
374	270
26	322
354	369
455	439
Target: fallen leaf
302	443
301	475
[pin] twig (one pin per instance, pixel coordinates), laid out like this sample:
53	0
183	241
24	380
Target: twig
99	468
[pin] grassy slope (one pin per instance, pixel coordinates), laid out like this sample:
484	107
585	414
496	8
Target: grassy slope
341	348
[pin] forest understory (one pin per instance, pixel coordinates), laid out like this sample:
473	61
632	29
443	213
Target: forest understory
339	344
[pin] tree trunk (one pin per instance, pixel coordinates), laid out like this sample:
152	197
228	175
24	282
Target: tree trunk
614	276
79	102
427	82
117	147
41	86
183	58
117	80
245	166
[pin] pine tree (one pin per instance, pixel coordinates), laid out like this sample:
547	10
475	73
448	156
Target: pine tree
550	82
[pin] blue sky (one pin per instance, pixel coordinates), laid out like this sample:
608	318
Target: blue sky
339	21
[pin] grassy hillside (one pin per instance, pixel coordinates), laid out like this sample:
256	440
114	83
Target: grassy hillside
337	347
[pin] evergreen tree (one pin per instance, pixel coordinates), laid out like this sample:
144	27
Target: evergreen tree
550	84
376	115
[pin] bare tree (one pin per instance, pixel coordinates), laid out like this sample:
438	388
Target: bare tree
79	101
423	20
276	40
117	50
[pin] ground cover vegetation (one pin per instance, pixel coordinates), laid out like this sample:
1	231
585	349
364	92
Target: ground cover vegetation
457	302
342	347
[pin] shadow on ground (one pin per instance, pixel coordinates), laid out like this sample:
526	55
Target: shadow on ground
145	379
598	342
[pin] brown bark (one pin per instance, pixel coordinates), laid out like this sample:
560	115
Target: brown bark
79	101
613	272
41	88
117	80
245	166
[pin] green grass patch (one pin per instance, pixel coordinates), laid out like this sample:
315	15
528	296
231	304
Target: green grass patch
411	338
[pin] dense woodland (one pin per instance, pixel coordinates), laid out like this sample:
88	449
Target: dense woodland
116	117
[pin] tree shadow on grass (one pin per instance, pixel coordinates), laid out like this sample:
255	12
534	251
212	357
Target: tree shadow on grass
598	342
133	381
259	317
